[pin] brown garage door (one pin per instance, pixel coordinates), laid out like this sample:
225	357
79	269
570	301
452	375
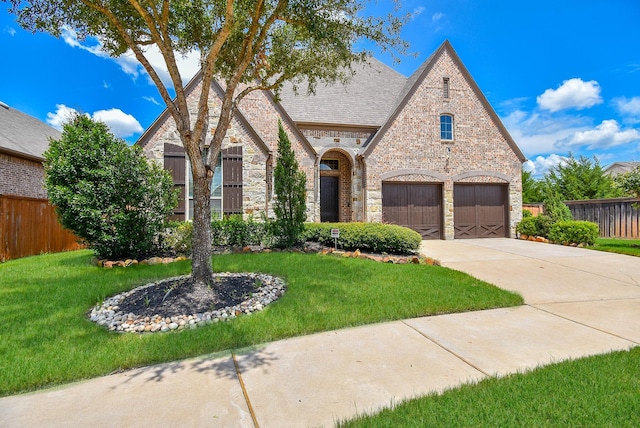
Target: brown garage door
480	210
415	205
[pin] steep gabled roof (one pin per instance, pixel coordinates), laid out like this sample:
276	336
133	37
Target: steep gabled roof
414	82
218	90
365	100
23	135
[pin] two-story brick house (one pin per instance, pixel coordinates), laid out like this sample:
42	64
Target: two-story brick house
427	151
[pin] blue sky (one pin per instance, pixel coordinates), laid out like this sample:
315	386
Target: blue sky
563	75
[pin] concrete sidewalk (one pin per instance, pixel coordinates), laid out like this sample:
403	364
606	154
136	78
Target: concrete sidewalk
579	302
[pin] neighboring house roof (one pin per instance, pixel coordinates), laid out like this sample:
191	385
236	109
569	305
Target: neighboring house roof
415	81
23	135
365	100
620	168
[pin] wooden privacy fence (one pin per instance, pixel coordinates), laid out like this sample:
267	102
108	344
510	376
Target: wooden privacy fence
616	218
30	226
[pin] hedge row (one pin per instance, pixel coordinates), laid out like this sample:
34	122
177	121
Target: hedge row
234	231
561	232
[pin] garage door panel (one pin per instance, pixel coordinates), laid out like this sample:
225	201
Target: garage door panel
480	210
414	205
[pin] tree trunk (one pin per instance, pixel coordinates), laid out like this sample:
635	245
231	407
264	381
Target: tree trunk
202	264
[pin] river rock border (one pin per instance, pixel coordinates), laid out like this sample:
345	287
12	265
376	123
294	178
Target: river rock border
107	314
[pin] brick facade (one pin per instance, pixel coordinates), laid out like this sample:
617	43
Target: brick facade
21	177
406	148
479	151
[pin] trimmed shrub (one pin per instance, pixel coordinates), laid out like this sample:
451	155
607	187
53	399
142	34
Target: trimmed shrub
574	232
527	226
535	226
370	237
234	231
178	238
543	225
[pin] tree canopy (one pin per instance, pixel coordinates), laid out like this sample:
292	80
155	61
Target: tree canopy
581	178
246	45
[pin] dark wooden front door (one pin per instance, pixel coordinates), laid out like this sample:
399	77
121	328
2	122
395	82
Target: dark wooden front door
480	210
329	198
414	205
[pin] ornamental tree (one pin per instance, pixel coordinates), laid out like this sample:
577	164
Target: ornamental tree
629	182
291	196
106	192
245	45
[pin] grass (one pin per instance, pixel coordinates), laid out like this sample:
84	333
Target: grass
600	391
630	247
46	338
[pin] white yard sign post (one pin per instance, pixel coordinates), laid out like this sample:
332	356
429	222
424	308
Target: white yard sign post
335	234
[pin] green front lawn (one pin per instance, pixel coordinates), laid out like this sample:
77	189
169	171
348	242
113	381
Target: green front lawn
47	339
600	391
630	247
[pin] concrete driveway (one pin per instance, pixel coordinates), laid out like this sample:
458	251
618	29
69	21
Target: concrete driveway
578	303
594	288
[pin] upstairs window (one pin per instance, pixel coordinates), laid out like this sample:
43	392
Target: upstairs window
446	127
445	87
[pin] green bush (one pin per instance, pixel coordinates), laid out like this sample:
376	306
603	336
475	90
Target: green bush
178	238
106	192
234	231
543	225
526	214
556	209
527	226
369	237
535	226
574	232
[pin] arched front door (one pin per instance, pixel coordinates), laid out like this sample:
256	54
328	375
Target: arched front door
335	187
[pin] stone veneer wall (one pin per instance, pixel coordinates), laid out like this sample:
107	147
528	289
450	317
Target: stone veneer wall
412	142
21	177
254	159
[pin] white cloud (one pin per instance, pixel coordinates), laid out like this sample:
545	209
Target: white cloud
607	134
541	164
538	132
188	64
11	31
62	115
121	124
629	108
573	93
151	100
437	16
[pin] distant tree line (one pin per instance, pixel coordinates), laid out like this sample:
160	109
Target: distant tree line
579	178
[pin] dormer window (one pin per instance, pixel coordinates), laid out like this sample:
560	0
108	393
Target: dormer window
446	127
445	87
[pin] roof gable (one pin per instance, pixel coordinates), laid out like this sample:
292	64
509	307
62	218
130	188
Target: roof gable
419	76
23	135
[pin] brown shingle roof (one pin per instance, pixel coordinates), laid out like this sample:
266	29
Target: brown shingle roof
24	135
367	99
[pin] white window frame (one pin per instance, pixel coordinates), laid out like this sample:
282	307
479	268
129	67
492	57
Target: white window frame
188	210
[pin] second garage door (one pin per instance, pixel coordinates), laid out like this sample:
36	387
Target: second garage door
414	205
480	210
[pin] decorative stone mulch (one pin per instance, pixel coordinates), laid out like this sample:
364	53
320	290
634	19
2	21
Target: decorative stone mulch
263	290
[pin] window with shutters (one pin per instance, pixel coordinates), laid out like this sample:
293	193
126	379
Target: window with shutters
226	185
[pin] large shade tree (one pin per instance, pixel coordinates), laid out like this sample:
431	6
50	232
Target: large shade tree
246	45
